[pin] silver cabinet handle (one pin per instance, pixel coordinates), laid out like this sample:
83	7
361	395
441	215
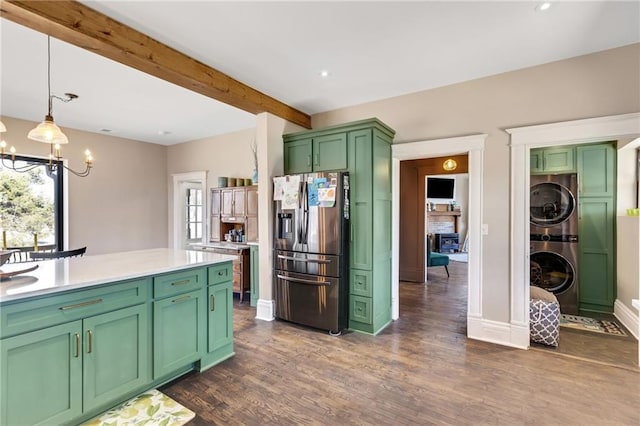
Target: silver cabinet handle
295	259
213	303
301	281
80	305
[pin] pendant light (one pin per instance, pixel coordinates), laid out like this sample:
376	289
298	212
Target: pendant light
47	132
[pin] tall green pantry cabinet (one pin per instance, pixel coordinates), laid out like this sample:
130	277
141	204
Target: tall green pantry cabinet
362	148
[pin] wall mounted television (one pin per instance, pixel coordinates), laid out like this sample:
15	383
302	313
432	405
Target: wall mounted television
441	189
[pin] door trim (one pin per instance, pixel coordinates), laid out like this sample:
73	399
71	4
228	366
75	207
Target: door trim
175	224
473	146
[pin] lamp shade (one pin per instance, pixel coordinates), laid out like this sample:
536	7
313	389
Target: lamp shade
48	132
2	127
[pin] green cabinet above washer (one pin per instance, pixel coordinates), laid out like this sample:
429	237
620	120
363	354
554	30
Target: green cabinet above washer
553	160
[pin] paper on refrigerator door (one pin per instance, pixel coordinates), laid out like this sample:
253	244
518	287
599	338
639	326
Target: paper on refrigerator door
278	187
291	193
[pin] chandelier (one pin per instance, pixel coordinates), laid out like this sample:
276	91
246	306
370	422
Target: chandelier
46	132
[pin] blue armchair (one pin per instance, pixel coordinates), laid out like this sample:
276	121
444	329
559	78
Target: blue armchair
437	259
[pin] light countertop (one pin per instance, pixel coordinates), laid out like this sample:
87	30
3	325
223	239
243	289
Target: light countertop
222	244
54	276
636	303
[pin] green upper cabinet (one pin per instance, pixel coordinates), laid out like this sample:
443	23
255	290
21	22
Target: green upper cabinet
597	166
552	160
297	156
361	202
317	154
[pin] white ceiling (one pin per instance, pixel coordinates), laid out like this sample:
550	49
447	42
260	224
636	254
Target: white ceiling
372	50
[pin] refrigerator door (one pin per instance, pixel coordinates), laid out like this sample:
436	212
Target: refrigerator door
310	228
308	263
311	300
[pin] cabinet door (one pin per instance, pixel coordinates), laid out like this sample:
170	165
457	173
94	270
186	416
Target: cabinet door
255	274
330	152
297	156
215	202
557	160
597	170
535	161
239	202
251	228
220	316
226	202
41	376
360	173
116	354
252	201
214	234
596	277
178	332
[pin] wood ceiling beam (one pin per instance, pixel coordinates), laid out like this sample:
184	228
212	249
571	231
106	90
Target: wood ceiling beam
84	27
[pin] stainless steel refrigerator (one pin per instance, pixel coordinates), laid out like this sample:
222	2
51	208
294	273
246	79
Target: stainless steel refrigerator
311	280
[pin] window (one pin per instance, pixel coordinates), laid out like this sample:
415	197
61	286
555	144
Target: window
31	204
194	214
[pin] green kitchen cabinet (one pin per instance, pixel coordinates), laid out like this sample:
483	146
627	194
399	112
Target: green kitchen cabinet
116	354
179	324
74	367
552	160
596	227
315	154
220	316
41	377
363	148
254	259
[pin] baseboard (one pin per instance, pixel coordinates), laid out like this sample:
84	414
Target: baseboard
626	316
265	310
501	333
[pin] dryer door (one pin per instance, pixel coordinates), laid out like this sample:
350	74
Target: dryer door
551	204
551	271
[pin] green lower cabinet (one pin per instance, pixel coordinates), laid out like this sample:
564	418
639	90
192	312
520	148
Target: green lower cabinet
220	316
116	354
596	261
254	266
179	327
41	377
360	312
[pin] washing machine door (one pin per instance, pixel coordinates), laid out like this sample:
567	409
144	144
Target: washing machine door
550	204
551	271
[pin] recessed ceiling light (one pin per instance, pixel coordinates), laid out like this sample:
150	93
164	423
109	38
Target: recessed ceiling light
164	132
543	6
324	73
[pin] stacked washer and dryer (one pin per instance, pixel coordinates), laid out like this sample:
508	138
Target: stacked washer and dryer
554	237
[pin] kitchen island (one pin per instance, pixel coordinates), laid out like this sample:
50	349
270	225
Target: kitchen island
82	335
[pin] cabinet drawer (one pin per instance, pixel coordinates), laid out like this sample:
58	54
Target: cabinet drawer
31	315
360	309
178	282
219	273
360	283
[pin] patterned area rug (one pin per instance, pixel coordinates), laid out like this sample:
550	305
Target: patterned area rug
150	408
458	257
591	324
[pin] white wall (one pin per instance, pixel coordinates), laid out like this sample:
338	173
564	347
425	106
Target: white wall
122	204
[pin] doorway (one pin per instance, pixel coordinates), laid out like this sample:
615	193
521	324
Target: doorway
473	146
190	215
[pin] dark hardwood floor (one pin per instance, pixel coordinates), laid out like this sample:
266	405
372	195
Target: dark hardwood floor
420	370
